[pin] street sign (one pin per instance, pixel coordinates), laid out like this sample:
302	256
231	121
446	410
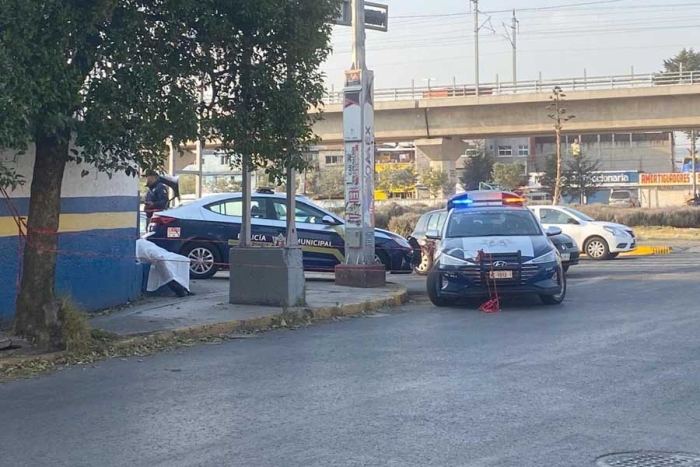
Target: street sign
376	16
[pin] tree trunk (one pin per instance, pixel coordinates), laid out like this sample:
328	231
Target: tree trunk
33	319
557	183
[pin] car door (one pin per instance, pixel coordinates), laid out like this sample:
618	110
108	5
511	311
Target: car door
567	223
322	243
224	218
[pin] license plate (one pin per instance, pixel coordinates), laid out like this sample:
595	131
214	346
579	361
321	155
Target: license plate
565	256
500	274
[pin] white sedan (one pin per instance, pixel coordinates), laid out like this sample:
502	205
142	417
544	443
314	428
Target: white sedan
599	240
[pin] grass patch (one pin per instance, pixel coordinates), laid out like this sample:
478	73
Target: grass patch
75	330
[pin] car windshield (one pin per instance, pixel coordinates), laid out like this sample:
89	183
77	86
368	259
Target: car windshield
578	214
620	195
496	223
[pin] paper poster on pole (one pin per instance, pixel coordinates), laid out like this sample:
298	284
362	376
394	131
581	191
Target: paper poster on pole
368	150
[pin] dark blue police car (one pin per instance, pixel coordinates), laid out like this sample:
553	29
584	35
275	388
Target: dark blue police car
205	229
491	241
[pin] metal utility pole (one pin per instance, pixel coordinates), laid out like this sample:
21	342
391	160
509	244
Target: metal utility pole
476	46
559	119
512	37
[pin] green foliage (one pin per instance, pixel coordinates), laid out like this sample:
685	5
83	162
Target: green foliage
223	185
578	178
549	177
686	57
396	180
477	169
437	182
678	217
509	176
330	183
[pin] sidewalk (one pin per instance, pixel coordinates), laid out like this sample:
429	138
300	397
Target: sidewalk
208	312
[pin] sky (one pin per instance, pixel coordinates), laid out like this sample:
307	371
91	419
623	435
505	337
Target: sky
557	38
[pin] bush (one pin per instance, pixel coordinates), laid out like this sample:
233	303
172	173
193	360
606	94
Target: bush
404	224
75	330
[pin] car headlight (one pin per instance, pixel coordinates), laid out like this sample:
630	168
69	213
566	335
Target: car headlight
449	260
616	232
545	258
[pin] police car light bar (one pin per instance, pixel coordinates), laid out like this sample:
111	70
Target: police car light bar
484	198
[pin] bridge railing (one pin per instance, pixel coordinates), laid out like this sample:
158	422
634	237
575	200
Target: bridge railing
528	87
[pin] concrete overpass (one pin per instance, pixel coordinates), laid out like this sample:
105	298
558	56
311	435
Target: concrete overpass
672	107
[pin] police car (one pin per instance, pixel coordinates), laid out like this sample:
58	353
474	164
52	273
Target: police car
488	242
204	230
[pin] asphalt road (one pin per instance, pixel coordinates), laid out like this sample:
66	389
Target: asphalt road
616	368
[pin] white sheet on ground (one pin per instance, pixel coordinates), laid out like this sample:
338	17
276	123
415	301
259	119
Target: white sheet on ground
165	266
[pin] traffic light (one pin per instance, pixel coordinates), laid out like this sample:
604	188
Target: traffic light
376	15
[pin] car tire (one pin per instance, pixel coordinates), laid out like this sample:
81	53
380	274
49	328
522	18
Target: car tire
556	299
426	263
596	248
204	259
433	285
380	257
613	255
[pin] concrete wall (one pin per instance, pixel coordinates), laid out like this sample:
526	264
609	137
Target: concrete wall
96	263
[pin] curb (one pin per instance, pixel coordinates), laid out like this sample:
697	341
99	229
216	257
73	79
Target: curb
290	317
650	251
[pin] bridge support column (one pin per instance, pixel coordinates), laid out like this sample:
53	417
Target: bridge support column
440	154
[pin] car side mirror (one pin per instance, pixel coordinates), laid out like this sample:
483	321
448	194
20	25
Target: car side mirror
432	235
553	231
572	221
328	220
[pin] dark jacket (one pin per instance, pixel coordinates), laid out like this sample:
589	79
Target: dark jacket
156	198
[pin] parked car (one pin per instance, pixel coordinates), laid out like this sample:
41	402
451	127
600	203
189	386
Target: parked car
435	220
490	241
624	199
203	230
600	240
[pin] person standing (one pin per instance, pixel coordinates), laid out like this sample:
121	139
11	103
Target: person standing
157	195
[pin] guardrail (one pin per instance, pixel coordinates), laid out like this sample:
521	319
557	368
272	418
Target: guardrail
529	87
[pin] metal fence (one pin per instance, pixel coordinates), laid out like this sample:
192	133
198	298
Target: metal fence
529	87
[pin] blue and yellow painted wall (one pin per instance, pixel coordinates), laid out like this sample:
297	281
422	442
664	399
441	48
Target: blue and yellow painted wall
96	264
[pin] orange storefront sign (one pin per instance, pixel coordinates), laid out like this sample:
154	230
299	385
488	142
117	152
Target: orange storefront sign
667	179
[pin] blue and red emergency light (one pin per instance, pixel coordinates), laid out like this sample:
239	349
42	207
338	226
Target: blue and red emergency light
484	198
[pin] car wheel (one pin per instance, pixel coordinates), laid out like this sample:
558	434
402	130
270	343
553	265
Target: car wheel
433	285
204	259
381	257
596	248
426	263
613	255
556	299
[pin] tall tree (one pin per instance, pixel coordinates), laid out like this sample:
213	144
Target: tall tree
580	177
330	183
436	181
477	169
396	180
509	176
116	79
548	179
686	59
